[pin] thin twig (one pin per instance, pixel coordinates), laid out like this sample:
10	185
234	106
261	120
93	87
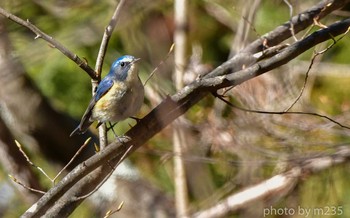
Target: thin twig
279	112
106	36
106	178
73	158
290	6
111	212
30	162
53	43
24	186
161	63
334	41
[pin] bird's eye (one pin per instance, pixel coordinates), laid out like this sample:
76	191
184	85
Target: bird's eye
122	64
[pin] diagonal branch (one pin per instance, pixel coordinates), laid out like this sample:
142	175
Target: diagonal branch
106	36
40	34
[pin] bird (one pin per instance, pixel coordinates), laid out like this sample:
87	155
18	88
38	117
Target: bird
119	95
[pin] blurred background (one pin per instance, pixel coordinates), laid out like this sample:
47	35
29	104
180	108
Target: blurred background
43	96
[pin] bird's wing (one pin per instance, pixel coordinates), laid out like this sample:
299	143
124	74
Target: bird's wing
85	122
102	89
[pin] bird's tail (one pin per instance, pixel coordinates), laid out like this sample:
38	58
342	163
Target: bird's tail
76	131
82	128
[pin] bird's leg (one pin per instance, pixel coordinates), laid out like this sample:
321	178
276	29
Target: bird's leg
111	127
115	135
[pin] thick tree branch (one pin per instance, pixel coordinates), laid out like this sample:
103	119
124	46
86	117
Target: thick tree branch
174	106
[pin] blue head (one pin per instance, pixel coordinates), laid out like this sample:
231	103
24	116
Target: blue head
123	67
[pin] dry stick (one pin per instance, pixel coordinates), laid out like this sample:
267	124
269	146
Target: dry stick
316	22
161	63
310	66
71	160
40	34
30	162
105	179
251	26
111	212
251	17
24	186
291	15
41	170
278	112
106	36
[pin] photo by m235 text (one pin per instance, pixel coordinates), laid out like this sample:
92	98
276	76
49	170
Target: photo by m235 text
304	211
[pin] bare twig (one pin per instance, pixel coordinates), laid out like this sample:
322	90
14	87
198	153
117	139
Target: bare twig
334	41
106	36
105	179
279	112
73	158
290	6
55	44
245	25
161	63
111	212
25	186
41	170
30	162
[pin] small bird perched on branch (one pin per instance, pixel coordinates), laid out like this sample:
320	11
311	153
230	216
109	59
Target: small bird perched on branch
118	96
